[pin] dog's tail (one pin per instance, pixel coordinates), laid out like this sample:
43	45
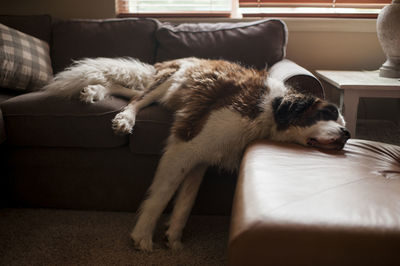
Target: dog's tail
126	72
66	84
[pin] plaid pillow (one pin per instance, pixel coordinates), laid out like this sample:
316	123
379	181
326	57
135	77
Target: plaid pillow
24	60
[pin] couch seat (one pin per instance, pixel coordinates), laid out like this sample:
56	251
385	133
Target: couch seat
44	120
40	119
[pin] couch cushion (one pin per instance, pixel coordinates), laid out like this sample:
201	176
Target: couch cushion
5	94
41	119
296	205
2	128
151	130
38	26
76	39
25	60
251	43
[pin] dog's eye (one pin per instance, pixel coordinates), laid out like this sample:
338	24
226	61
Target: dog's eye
329	113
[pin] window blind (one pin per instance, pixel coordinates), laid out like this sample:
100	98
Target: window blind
312	8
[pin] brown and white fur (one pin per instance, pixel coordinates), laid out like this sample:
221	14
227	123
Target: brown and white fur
220	107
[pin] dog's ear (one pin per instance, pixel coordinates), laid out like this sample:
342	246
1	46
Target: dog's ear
291	110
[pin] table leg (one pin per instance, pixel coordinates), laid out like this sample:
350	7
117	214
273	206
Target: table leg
341	104
350	100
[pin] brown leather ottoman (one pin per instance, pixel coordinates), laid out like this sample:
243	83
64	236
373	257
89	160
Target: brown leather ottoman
301	206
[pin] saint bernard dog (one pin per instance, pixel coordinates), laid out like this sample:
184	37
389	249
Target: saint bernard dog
219	106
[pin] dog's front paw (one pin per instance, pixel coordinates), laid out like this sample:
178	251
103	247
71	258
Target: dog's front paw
92	93
142	242
123	123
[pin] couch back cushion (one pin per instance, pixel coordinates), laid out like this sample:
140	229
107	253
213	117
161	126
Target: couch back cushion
255	44
38	26
76	39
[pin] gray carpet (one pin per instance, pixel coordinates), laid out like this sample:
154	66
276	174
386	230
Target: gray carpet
63	237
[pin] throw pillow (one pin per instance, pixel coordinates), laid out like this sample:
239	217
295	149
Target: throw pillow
24	60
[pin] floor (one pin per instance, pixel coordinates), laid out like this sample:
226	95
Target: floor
68	237
378	130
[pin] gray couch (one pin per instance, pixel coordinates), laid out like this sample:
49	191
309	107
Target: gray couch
61	153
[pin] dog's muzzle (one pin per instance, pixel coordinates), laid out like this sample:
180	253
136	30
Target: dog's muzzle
332	144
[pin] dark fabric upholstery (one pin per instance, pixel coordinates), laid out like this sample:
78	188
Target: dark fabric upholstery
44	120
41	119
151	130
79	178
255	44
38	26
5	94
100	179
2	128
76	39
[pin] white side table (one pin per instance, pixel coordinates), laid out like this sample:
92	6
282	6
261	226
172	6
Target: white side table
355	84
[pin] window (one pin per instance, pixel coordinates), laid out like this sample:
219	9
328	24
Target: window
249	8
165	8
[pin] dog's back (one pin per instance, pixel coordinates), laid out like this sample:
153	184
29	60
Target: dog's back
199	87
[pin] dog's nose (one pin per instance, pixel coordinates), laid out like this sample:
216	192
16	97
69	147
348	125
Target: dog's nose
345	133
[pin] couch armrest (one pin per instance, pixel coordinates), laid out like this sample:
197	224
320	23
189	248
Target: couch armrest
297	77
2	129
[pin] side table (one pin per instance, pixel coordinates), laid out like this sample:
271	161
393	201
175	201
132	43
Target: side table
355	84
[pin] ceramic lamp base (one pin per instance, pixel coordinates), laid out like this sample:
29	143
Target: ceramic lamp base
388	29
389	70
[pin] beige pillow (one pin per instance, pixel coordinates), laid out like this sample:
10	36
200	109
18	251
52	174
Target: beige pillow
24	60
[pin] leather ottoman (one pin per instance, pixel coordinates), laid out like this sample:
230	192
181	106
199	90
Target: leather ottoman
301	206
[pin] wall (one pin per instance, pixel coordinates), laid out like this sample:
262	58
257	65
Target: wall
93	9
346	44
341	44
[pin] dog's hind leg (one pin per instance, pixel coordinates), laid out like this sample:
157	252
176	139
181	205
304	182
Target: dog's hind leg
97	92
183	205
92	93
173	167
119	90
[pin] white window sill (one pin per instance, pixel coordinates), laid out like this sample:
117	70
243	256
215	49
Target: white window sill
311	11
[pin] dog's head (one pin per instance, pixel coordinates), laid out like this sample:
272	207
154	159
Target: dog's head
309	121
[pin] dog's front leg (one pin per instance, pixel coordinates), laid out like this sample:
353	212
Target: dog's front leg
172	169
124	121
183	205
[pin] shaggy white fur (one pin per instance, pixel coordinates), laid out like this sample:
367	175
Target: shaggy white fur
95	79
